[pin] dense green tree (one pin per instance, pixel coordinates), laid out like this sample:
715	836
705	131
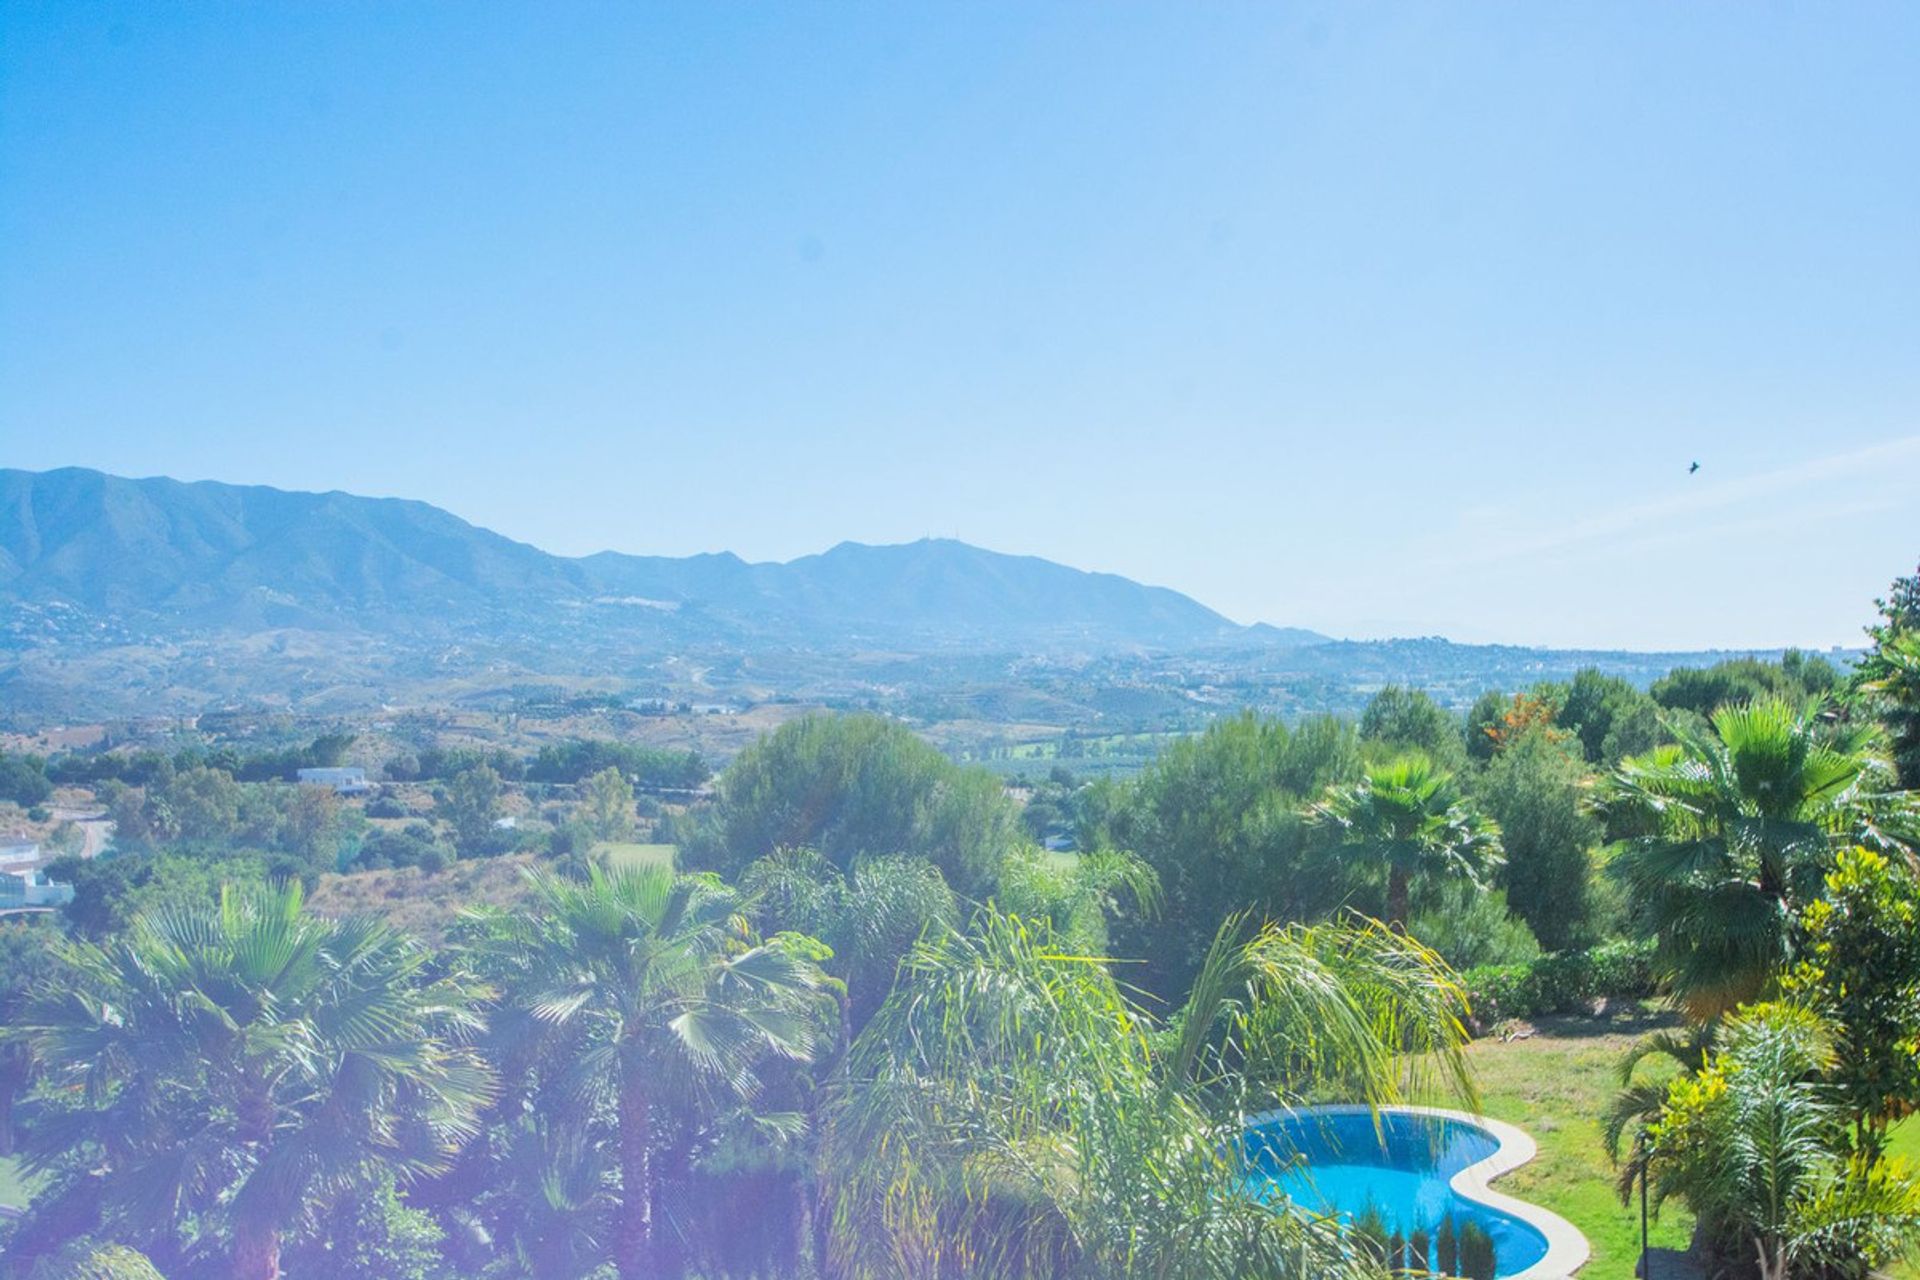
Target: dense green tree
581	758
414	845
1217	819
202	805
1888	677
1861	969
23	779
662	996
853	787
1409	819
311	821
471	805
109	892
1727	836
1403	719
223	1063
28	959
1535	789
1704	690
1610	717
606	803
1483	722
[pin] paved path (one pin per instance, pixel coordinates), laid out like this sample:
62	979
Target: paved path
96	830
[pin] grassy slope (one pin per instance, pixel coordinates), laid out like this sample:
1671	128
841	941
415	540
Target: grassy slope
425	905
1555	1086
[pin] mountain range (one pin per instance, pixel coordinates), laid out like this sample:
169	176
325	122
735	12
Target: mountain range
163	558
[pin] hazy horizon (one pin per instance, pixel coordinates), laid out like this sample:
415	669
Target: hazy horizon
1381	322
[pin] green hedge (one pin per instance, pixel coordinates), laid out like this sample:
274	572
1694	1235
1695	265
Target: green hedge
1564	982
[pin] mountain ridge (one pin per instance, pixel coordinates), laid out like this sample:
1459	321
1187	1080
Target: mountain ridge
173	554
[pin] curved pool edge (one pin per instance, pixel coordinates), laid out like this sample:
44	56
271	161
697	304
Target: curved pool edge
1567	1249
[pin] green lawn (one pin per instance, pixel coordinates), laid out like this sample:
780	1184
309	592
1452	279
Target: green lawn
1556	1085
15	1189
1906	1143
636	855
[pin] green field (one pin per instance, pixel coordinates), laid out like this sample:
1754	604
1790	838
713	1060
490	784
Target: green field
635	855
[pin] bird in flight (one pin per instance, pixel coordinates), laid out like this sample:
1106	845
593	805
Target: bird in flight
1695	467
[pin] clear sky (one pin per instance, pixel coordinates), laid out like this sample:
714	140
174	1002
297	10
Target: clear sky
1377	319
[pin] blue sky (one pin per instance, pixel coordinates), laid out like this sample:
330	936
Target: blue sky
1378	319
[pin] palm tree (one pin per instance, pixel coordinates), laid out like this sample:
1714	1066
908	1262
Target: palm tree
1011	1114
1413	818
26	961
1756	1146
1725	837
231	1062
666	1003
1890	678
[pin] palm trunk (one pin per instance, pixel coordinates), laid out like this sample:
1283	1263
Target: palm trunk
6	1118
1398	887
633	1233
256	1253
674	1171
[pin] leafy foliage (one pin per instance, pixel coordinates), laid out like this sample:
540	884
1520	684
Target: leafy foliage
1411	819
854	787
1728	835
1755	1145
1218	820
657	1004
1010	1113
217	1066
1861	968
1563	982
1536	790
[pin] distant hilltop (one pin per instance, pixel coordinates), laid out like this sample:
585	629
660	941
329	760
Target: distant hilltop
161	557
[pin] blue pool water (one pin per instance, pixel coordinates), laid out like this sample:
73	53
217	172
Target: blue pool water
1340	1163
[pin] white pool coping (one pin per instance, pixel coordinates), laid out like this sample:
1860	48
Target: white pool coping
1567	1249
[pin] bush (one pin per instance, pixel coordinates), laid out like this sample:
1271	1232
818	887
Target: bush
1473	928
386	805
23	780
414	845
1564	982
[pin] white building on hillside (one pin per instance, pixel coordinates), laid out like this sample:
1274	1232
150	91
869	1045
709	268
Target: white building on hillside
350	781
19	853
32	889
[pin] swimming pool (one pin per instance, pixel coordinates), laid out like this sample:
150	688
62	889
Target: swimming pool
1417	1169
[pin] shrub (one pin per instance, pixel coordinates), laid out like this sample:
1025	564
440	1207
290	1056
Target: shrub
1473	928
1564	982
